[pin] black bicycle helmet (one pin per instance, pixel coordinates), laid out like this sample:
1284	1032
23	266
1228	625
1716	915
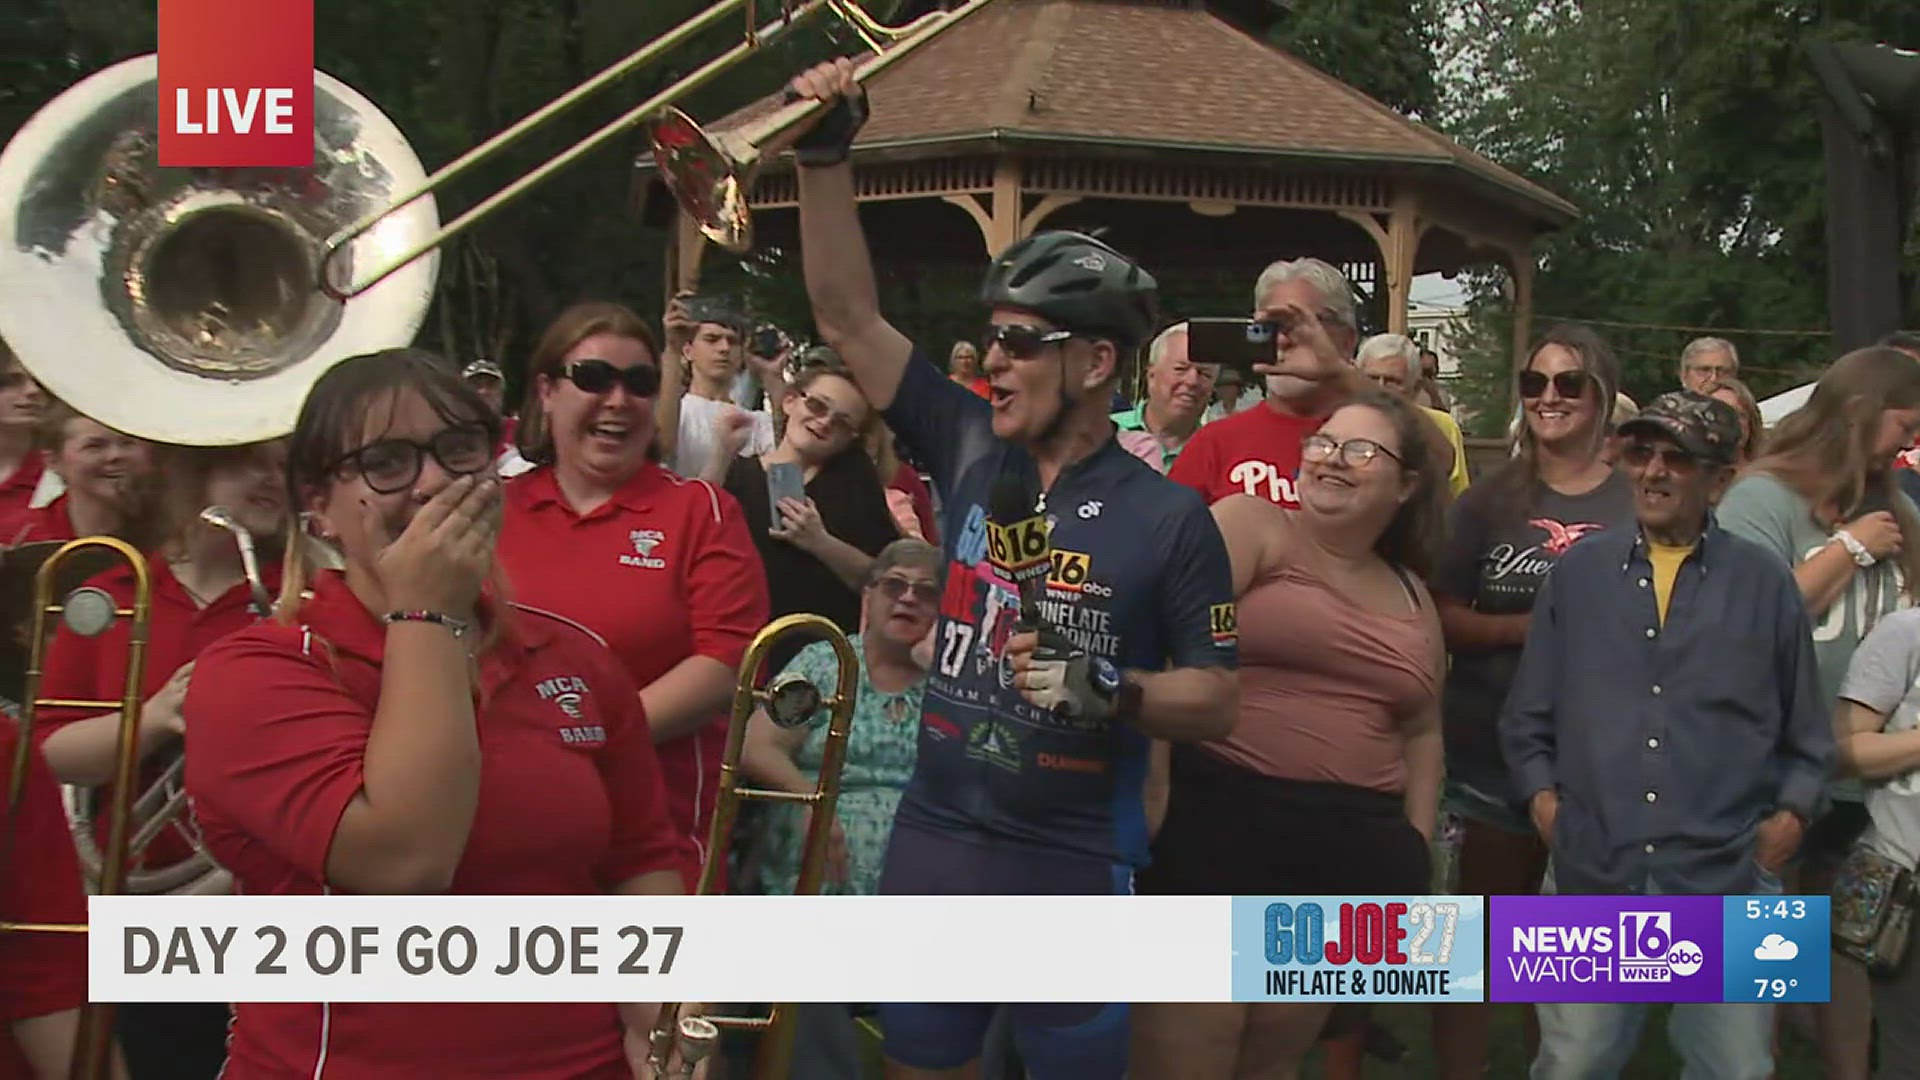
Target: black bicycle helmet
1077	283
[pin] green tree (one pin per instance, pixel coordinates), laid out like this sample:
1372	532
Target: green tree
1383	47
1687	134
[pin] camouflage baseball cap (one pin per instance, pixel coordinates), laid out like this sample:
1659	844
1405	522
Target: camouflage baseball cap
1703	426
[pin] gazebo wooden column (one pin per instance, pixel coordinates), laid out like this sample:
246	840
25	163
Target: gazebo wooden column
1398	239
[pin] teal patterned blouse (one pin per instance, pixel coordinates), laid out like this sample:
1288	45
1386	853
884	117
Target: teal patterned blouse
880	752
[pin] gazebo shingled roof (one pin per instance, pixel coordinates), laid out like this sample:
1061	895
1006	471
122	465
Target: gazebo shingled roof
1151	75
1025	107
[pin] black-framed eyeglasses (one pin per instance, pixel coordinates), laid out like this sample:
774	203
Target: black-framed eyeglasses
1354	453
1571	385
392	465
599	376
1020	341
1639	455
893	588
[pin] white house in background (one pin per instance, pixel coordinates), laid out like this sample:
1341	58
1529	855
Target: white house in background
1433	326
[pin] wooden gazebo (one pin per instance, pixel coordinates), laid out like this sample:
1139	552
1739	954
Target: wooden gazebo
1196	145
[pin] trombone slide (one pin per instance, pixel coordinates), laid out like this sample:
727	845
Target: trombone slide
95	1040
788	703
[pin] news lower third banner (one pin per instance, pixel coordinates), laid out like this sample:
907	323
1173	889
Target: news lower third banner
957	948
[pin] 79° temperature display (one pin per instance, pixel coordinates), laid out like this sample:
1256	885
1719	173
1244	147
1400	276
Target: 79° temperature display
1778	948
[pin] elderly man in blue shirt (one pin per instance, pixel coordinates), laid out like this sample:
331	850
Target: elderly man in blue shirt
1667	725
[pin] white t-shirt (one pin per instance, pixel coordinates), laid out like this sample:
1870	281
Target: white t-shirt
1885	677
698	444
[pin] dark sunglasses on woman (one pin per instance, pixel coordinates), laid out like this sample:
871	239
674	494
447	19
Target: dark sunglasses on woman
1572	385
392	465
598	377
1022	342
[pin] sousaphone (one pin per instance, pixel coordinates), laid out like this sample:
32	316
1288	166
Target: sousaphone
181	306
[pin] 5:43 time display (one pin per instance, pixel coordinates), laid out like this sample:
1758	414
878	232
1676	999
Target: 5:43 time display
1777	909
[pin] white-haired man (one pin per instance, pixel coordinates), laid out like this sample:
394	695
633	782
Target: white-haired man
1178	390
1393	361
1257	452
1707	362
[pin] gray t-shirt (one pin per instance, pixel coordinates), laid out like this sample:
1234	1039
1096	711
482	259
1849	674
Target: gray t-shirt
1768	512
1495	558
1885	677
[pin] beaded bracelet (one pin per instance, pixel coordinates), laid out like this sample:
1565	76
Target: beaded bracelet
457	626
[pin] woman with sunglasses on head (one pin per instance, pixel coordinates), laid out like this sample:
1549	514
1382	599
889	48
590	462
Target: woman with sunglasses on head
200	593
391	732
659	566
1824	499
1337	748
817	549
1505	533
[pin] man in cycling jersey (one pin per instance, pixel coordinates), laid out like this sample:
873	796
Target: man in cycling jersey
1033	762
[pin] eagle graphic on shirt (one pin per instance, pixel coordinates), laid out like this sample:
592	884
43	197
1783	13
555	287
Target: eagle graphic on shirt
1561	536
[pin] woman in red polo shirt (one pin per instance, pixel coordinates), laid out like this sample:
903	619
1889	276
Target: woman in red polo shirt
386	733
660	566
199	594
103	471
43	976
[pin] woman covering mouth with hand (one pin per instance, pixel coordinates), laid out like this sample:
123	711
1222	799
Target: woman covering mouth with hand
659	566
387	734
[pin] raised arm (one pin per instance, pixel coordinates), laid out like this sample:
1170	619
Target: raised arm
834	256
679	328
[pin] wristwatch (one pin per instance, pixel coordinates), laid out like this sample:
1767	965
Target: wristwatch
1861	556
1125	694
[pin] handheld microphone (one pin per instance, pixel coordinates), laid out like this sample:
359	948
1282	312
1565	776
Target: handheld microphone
1017	542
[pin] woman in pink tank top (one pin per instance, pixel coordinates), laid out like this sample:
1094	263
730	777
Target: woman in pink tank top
1330	781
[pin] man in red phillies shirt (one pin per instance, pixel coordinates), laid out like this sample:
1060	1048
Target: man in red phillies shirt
1257	451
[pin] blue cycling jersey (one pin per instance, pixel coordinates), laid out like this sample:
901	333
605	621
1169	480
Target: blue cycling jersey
1140	577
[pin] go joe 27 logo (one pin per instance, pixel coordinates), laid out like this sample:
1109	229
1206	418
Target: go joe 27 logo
1359	948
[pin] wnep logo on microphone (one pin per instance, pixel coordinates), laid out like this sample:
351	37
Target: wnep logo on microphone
1605	948
1359	948
236	83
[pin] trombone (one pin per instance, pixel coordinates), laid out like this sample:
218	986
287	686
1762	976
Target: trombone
89	612
726	192
790	701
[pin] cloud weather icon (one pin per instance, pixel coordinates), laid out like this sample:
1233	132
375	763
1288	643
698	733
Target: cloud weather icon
1775	947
